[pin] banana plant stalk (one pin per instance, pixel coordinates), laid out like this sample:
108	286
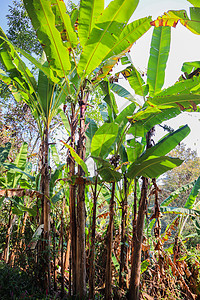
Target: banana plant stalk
108	275
72	200
137	243
136	261
11	222
81	254
62	253
92	247
45	218
124	249
54	256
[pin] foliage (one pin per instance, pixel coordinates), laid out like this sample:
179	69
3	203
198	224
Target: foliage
20	30
183	175
15	284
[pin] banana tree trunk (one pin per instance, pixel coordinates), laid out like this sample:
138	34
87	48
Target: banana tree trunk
54	257
23	229
92	247
81	254
108	275
62	257
11	221
134	290
136	257
124	249
72	201
45	217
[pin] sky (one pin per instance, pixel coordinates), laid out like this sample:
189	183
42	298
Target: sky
184	47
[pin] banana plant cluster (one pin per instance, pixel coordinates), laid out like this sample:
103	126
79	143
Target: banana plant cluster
80	51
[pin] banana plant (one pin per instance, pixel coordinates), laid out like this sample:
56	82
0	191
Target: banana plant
158	105
152	163
15	174
190	209
79	62
44	98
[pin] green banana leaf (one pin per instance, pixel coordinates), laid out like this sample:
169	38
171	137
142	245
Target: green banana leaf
136	82
122	92
121	119
188	67
162	109
46	93
177	192
46	70
155	153
20	162
56	197
110	100
153	167
104	34
134	150
55	155
15	67
130	34
88	13
74	16
179	210
183	101
91	129
181	87
64	25
109	175
106	170
134	78
32	211
77	158
166	144
64	120
4	77
144	266
54	176
103	139
17	170
41	99
194	3
159	52
43	20
4	152
193	195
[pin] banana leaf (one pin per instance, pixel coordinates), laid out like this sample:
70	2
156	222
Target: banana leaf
172	17
152	167
43	20
103	139
64	25
88	13
20	162
177	192
104	34
77	158
193	194
159	52
161	109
